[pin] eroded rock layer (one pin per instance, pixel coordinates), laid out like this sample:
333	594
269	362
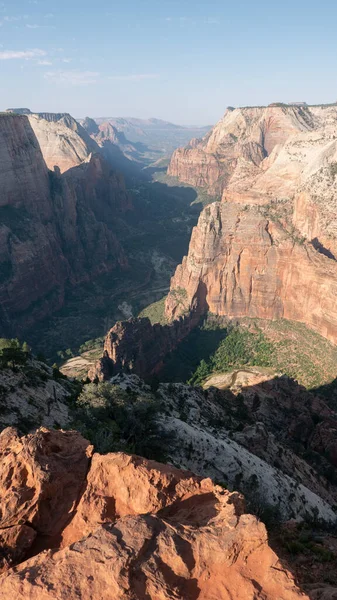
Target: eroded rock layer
242	264
195	541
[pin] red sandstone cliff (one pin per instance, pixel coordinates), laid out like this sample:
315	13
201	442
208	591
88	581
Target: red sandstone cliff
242	264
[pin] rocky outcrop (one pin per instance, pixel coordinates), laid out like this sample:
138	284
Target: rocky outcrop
193	542
72	216
240	263
41	479
31	395
136	346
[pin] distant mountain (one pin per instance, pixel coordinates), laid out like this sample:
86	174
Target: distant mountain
162	136
114	141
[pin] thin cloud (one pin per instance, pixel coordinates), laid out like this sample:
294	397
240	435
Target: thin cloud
36	26
44	63
21	54
71	77
135	77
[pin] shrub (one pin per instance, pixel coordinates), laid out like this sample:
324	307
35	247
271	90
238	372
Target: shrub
119	420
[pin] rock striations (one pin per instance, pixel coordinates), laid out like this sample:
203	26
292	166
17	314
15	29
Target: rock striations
240	263
137	529
55	228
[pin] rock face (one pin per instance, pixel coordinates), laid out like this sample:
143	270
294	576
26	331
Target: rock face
138	347
194	542
45	214
242	264
278	155
238	144
63	142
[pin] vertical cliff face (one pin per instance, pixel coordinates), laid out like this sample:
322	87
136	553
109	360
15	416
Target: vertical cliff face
54	228
272	155
29	242
242	264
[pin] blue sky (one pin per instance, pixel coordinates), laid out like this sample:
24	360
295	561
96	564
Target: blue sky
183	61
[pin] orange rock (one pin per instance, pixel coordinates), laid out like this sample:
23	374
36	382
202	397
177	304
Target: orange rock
120	485
14	543
222	555
41	479
237	145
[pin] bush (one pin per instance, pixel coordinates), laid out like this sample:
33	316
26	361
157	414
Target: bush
119	420
12	354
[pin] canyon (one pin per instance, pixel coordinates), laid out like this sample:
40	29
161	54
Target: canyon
92	512
58	227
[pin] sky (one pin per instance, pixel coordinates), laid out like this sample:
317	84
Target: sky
180	60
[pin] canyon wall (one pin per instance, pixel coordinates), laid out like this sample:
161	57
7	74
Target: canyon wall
55	229
63	141
237	145
283	156
240	263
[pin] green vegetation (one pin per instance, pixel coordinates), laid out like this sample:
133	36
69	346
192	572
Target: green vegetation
239	348
198	345
95	344
285	346
159	224
202	197
119	420
303	539
155	312
12	353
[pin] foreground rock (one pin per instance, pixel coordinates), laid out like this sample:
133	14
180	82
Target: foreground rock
194	542
41	479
